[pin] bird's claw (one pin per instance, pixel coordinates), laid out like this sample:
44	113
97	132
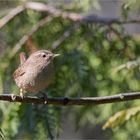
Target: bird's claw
13	97
21	93
44	97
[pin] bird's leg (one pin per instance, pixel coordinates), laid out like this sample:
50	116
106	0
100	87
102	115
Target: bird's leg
44	97
22	93
22	58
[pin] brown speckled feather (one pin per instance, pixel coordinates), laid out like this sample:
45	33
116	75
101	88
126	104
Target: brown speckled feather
36	73
18	72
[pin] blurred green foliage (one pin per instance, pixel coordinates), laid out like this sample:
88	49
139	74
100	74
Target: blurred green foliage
88	57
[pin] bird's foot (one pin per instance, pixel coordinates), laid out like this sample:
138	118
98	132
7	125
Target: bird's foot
13	96
22	93
44	97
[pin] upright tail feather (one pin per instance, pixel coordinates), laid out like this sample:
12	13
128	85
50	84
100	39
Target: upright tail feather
22	57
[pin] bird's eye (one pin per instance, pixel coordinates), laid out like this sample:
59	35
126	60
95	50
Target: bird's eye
44	55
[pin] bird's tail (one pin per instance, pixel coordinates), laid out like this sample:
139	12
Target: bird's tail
22	57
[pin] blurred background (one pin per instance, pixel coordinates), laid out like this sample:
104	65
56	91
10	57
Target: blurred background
98	58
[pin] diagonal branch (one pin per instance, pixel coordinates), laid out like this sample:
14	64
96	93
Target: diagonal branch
73	101
64	36
25	38
11	15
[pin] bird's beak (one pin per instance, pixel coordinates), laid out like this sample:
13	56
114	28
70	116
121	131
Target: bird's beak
55	55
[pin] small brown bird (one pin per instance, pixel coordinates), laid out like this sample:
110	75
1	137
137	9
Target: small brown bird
35	73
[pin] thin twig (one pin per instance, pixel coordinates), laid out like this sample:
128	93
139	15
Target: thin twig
73	101
119	35
59	41
63	37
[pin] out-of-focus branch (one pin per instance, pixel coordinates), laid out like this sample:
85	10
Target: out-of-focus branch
25	38
59	41
73	101
11	15
63	37
128	65
116	33
75	17
119	35
53	12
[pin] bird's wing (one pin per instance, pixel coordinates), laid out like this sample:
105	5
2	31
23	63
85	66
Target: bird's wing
18	72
